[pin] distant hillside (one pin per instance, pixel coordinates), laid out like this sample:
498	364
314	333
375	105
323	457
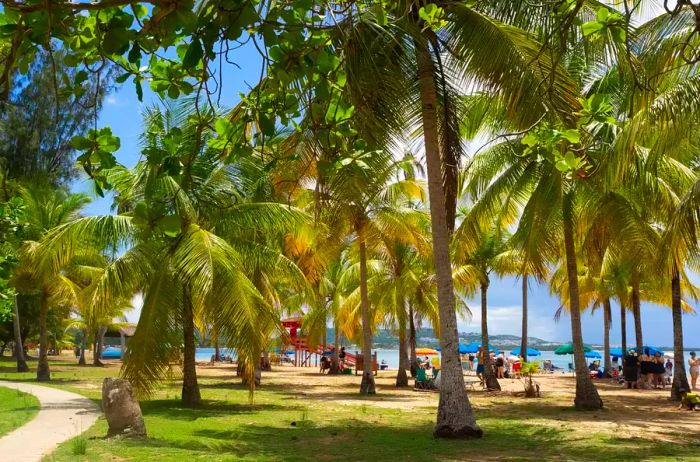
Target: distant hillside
426	338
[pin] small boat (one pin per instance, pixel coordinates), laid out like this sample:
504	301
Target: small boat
112	353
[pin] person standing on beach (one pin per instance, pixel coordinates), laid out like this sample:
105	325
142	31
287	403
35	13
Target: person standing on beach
694	364
630	369
480	365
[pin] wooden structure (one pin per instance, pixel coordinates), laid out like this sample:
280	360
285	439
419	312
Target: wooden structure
303	355
360	364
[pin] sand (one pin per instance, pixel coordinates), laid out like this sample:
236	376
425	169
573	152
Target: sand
627	412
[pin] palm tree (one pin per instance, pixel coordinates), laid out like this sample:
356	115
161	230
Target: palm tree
45	208
171	222
402	286
383	65
473	268
362	187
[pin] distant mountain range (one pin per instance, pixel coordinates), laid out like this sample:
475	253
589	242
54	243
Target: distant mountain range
426	338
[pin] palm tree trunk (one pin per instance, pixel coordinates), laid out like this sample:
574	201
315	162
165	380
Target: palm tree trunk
523	330
335	361
680	380
266	364
82	361
190	388
43	373
367	385
455	418
99	336
217	349
401	376
607	320
623	328
412	340
489	377
637	312
586	394
19	346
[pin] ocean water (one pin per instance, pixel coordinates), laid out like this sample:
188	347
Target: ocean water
392	357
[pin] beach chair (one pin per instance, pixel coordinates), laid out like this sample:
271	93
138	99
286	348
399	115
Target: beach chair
472	383
422	382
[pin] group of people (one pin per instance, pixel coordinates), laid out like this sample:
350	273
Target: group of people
646	370
326	362
503	367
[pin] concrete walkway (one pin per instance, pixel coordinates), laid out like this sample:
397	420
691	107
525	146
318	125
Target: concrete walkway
62	416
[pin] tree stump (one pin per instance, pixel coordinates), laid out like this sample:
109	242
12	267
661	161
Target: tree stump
122	409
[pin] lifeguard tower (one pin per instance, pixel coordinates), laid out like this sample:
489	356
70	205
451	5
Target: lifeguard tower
303	355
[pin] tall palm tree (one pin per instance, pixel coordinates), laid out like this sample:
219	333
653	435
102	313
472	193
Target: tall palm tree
473	268
401	74
45	208
363	187
403	280
178	226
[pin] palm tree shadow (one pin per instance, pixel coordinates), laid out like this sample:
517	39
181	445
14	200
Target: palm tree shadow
352	439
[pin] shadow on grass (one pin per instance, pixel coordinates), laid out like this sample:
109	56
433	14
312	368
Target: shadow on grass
351	439
170	409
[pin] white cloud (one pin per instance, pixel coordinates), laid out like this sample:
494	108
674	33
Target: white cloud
111	100
508	319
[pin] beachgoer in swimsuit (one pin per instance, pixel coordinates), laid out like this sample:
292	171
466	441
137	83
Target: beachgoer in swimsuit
694	364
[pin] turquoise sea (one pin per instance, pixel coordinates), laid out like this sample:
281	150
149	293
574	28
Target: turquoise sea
392	357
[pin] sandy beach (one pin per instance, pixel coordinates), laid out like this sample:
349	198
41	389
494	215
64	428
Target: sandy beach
627	412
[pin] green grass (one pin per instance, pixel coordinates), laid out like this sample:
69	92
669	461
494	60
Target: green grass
278	429
16	409
283	425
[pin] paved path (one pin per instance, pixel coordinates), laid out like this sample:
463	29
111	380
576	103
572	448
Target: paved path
62	416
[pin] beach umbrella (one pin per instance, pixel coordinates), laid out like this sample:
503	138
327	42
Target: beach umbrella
652	350
592	354
568	349
530	352
426	352
474	348
463	349
668	355
616	352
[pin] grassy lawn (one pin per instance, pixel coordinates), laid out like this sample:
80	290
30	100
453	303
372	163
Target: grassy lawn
16	409
279	430
286	424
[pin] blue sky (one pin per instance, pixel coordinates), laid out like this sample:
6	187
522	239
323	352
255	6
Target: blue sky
122	112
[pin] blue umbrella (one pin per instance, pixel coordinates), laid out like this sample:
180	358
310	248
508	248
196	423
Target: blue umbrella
617	352
530	352
474	348
652	350
592	354
462	349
